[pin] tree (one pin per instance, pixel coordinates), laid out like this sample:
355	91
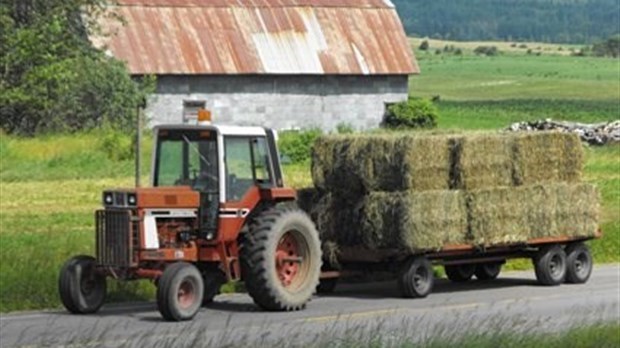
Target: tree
607	48
51	78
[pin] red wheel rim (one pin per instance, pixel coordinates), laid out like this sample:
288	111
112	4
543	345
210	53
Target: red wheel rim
288	259
186	294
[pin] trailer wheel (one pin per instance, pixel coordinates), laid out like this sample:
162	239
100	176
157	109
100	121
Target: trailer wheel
416	278
460	273
82	290
488	270
327	285
550	265
578	263
180	292
281	259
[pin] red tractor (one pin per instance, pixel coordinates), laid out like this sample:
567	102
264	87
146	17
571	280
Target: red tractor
217	211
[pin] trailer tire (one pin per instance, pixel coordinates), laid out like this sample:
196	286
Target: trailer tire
281	259
460	273
416	279
579	263
180	292
488	270
82	290
550	265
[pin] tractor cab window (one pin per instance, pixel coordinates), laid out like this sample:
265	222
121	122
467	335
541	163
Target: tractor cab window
187	158
247	164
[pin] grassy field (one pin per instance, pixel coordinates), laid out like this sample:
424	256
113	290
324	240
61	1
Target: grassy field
50	186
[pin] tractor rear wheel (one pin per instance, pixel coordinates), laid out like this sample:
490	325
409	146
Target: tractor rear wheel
179	292
460	273
82	290
281	259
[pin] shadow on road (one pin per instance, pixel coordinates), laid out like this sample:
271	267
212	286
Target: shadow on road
390	289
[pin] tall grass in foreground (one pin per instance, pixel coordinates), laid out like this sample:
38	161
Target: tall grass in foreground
410	333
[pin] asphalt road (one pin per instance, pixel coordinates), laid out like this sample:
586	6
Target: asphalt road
514	302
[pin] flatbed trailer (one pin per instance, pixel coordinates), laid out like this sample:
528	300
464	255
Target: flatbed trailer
556	260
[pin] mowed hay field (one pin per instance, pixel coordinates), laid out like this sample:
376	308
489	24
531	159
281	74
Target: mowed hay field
50	186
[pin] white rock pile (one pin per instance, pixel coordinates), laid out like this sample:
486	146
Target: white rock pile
594	134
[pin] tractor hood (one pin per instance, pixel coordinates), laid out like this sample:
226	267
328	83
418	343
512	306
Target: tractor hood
168	197
152	198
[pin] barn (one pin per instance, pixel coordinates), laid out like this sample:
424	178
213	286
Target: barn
284	64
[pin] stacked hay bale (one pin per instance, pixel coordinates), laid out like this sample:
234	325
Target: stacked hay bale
423	192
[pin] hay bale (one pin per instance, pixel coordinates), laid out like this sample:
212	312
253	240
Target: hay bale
482	160
407	220
547	156
413	221
353	165
577	210
502	216
498	216
503	160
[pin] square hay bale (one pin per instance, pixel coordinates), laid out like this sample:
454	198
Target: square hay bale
546	157
578	210
353	165
498	216
502	216
482	160
413	220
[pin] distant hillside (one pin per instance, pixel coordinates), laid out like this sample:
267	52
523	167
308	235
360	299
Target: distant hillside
562	21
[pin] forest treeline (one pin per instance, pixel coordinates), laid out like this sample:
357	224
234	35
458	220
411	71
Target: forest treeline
558	21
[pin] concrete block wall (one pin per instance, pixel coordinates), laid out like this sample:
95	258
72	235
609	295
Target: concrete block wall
281	102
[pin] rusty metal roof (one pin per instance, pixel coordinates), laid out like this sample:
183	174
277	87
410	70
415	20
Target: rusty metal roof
258	37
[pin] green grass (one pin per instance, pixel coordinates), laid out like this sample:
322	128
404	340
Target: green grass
514	76
499	114
604	335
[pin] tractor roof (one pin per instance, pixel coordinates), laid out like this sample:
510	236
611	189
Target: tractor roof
222	129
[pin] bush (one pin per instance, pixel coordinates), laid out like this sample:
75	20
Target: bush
486	50
297	145
414	113
117	145
424	46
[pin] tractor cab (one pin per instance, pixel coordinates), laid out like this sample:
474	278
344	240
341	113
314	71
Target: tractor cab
222	164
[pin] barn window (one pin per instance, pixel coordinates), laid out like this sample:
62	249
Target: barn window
190	110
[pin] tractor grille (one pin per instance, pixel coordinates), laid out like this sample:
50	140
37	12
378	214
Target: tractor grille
114	238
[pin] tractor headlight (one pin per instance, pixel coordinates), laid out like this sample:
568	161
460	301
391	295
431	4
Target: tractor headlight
132	199
108	198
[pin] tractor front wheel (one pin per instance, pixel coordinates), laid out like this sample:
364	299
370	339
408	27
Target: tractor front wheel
179	292
281	259
82	290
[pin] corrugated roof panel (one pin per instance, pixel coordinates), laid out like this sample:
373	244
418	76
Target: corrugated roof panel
259	3
259	37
